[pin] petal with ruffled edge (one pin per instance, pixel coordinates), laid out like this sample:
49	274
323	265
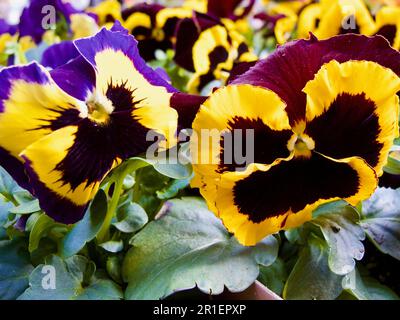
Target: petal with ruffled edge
388	25
222	131
59	54
31	106
66	174
290	67
257	203
120	69
349	115
227	8
77	78
344	17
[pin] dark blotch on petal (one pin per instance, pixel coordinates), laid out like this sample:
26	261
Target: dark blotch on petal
15	168
389	32
217	56
349	128
60	209
97	146
292	186
121	97
66	118
389	181
269	145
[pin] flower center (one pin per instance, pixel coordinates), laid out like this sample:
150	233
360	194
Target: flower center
302	145
99	108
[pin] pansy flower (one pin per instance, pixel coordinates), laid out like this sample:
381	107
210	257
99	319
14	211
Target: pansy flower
344	16
83	25
281	18
32	18
209	48
61	132
107	12
9	37
154	26
309	20
322	132
388	25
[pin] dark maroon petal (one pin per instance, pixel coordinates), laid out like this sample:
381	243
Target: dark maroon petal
226	8
187	33
150	9
291	66
239	69
148	47
187	106
186	36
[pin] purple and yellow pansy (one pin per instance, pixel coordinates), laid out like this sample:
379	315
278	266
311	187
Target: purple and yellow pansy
62	131
322	132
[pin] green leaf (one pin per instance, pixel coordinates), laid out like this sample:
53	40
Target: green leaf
343	235
311	277
39	230
169	164
4	211
174	171
188	246
367	288
393	164
274	276
23	196
87	229
172	190
113	246
15	268
27	207
7	185
382	221
73	280
131	218
113	266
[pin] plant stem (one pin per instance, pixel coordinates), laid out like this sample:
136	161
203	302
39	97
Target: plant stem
104	235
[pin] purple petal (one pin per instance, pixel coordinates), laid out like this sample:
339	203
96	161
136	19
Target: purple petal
119	42
77	78
59	54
